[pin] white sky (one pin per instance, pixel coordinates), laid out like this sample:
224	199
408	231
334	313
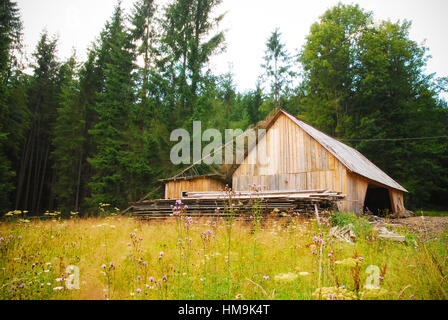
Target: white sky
248	23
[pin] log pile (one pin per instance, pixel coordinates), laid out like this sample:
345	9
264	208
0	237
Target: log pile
268	202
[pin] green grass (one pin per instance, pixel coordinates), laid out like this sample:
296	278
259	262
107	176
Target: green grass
431	213
282	259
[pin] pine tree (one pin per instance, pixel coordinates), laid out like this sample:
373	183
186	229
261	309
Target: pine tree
68	139
35	176
277	69
111	161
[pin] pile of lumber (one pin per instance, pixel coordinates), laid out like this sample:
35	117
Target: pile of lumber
268	202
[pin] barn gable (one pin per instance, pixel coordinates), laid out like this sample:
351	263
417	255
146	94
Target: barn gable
349	156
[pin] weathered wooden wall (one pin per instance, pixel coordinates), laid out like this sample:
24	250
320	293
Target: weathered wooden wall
293	160
396	199
173	189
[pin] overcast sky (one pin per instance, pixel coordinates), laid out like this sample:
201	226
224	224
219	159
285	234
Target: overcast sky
247	25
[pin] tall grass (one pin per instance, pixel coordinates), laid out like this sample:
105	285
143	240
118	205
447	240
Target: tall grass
290	258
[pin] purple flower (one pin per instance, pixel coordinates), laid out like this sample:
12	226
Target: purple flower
164	278
266	277
2	239
139	290
22	286
103	266
139	278
343	287
360	258
151	279
111	264
19	237
329	254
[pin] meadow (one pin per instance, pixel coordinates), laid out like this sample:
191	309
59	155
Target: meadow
181	257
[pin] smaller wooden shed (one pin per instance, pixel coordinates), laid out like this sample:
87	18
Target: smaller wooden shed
176	186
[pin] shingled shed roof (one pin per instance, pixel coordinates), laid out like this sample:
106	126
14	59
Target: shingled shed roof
351	158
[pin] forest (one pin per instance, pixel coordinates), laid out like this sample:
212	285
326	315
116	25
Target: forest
74	134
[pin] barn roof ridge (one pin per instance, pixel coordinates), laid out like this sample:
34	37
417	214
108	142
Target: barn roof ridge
348	156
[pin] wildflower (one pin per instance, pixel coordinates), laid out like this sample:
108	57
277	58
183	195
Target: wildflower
13	288
22	286
161	253
139	290
164	278
58	288
266	277
139	278
19	237
151	279
103	266
2	239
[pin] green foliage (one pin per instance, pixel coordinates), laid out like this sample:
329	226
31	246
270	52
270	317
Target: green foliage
361	226
277	68
366	81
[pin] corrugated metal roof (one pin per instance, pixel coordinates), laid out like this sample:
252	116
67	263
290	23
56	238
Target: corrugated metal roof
351	158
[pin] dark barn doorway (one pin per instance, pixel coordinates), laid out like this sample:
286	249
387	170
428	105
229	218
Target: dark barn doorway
377	200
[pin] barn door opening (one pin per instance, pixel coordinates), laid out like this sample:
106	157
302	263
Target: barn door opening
377	200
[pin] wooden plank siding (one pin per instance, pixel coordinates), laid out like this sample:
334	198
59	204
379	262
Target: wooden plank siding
173	189
296	161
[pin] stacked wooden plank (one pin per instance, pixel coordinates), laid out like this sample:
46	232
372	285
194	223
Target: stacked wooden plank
244	203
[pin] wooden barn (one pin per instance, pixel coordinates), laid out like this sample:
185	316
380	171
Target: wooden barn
297	158
301	157
177	187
